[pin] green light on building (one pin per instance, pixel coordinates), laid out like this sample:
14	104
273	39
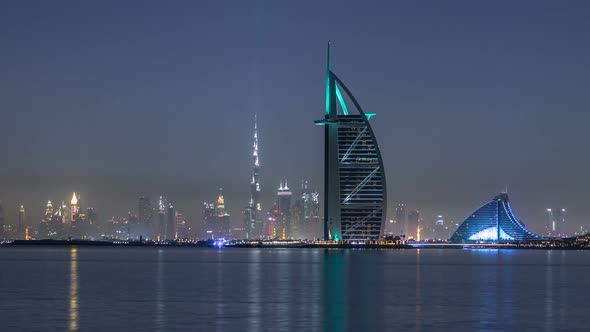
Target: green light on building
342	103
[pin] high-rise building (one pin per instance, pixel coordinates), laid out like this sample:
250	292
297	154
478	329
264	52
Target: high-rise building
223	222
160	227
298	220
312	215
2	222
209	217
171	223
20	227
355	201
555	222
412	224
284	228
182	231
440	229
51	227
74	208
145	215
401	218
559	215
49	211
305	213
91	222
216	220
253	222
65	213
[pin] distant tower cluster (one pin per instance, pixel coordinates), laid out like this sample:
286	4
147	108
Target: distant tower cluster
306	219
61	221
165	228
295	214
216	220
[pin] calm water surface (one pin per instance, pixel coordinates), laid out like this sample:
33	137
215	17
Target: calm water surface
173	289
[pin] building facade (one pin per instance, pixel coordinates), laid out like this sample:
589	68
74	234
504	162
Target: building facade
494	222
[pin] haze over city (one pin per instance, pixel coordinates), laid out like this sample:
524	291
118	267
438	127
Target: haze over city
118	100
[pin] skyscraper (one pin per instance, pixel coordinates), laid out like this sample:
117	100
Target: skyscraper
355	201
401	218
223	223
181	226
20	227
65	213
555	222
209	217
2	226
412	224
253	223
91	222
48	211
160	229
305	213
551	225
559	215
74	208
284	227
171	223
145	214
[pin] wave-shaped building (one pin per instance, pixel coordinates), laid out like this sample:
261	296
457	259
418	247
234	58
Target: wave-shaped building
494	222
355	201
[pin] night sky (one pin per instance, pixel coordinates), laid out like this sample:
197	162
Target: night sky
117	99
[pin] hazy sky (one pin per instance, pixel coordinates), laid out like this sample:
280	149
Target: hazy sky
115	99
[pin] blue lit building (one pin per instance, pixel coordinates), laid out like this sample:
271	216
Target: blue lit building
494	222
354	178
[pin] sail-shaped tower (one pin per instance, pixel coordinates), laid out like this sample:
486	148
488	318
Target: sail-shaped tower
355	200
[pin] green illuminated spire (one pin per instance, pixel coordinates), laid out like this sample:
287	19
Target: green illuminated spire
342	103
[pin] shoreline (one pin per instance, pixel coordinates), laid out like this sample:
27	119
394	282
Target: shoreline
206	244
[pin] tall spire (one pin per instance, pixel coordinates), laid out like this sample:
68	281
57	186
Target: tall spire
255	153
331	88
253	220
328	68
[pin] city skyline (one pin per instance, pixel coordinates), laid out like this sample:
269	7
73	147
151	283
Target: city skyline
152	116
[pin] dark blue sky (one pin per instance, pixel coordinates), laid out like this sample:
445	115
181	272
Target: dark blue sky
115	99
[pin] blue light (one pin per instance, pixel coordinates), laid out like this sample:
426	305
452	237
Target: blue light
490	234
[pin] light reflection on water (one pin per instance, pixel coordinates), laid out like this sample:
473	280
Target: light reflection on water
160	304
73	300
165	289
